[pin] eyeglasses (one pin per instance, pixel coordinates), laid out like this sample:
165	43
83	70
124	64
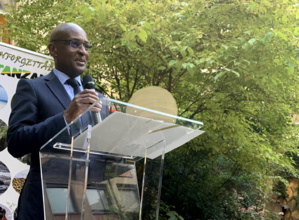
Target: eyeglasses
75	44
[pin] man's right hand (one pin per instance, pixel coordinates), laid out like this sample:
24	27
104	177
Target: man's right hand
80	103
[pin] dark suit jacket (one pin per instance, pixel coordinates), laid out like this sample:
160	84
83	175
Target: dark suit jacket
37	115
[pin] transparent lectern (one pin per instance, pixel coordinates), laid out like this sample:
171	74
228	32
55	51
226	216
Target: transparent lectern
109	165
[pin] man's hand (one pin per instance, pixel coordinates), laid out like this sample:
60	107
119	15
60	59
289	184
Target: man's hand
80	103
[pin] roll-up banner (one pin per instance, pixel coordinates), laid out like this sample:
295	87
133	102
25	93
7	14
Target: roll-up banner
15	63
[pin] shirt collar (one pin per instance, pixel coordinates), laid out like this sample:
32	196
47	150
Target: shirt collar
63	77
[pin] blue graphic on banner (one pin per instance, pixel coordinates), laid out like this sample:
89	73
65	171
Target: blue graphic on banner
3	97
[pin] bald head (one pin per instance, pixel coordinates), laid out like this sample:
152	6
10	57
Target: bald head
62	29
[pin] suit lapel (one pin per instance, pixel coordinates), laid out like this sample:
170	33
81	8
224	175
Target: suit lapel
57	89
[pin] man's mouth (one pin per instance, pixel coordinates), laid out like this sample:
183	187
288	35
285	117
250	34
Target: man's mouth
80	62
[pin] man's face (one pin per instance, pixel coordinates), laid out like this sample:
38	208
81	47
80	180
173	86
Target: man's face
69	59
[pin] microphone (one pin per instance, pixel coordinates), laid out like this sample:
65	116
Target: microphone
88	83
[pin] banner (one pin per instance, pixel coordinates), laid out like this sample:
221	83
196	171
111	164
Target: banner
15	63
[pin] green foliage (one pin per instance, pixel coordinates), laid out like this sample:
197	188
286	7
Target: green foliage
212	187
281	190
3	132
231	64
167	213
3	129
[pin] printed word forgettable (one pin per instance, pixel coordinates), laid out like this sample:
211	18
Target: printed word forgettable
48	65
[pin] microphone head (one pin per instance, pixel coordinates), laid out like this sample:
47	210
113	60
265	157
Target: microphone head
88	82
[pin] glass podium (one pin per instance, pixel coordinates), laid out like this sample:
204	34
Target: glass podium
110	165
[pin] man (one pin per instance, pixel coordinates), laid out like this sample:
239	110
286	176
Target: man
45	105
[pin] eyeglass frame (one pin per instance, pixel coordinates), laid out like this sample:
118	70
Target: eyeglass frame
86	45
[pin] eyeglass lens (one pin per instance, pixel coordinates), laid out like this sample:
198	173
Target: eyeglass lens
76	44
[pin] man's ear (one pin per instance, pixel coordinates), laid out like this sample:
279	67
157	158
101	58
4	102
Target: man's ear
52	49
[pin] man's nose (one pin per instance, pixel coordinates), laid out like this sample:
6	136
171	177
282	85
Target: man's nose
82	49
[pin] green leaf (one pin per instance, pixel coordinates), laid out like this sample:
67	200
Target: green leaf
202	60
183	53
91	8
291	70
285	19
246	61
281	35
172	62
185	65
161	68
191	52
131	35
248	32
251	41
142	35
123	27
225	47
171	215
245	46
268	37
184	48
236	73
173	48
219	75
147	26
190	69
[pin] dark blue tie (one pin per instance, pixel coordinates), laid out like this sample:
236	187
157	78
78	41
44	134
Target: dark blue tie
74	83
84	119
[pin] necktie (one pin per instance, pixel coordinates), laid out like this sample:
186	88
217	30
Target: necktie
79	125
73	83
